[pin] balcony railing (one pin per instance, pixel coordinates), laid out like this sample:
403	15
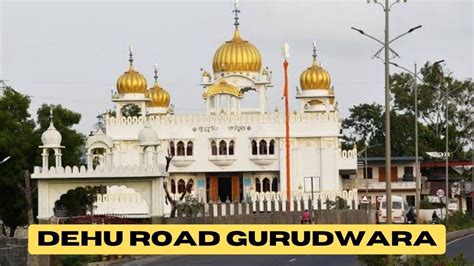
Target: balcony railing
376	184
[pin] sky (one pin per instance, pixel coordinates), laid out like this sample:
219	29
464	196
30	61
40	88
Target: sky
72	52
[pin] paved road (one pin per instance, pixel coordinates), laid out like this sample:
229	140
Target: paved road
464	245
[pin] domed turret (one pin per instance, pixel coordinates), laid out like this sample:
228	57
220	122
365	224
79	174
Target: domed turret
158	96
131	81
51	137
147	136
237	55
315	77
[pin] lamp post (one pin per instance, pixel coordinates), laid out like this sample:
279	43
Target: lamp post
286	56
417	163
386	46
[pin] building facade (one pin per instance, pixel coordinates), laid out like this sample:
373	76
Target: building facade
228	153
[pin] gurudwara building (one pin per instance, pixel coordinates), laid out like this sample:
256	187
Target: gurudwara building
228	153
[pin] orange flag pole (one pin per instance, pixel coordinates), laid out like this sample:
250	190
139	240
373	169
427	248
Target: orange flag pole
287	123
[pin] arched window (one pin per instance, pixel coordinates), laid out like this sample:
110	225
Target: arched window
266	184
222	148
189	148
275	184
258	187
263	147
254	147
172	152
181	186
271	149
173	186
180	148
213	148
231	147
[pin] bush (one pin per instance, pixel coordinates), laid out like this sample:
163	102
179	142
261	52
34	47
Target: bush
191	206
458	221
78	260
429	260
426	204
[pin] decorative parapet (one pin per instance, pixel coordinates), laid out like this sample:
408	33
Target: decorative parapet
99	172
374	184
348	154
348	159
223	119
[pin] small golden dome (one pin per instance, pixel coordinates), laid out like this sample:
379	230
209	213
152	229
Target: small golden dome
131	81
158	96
222	87
237	55
314	78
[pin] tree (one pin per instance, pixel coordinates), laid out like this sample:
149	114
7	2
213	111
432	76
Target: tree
20	140
17	139
432	106
366	123
64	120
77	201
131	110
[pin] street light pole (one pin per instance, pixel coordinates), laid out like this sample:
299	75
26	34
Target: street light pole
386	46
447	153
417	163
388	151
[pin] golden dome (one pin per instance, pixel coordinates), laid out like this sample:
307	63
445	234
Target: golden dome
237	55
131	81
314	78
221	88
158	96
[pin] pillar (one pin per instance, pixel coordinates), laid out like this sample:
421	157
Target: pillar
263	99
58	157
44	157
89	160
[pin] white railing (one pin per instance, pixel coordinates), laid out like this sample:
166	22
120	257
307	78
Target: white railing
223	119
83	171
375	184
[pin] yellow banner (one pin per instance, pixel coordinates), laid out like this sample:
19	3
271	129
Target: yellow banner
236	239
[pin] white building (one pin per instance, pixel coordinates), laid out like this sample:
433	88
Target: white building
230	152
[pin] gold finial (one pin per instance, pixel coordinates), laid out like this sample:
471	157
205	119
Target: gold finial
156	74
130	54
51	113
236	11
314	52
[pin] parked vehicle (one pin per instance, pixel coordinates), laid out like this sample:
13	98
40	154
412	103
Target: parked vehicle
399	210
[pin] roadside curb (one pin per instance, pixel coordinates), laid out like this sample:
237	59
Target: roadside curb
458	234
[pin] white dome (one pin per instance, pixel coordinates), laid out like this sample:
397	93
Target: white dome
51	137
148	136
99	137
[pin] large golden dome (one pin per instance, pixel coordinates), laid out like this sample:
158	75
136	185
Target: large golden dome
237	55
131	81
315	78
158	96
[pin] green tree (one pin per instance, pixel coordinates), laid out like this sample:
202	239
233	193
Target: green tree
64	120
432	106
131	110
20	140
366	123
17	139
77	201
